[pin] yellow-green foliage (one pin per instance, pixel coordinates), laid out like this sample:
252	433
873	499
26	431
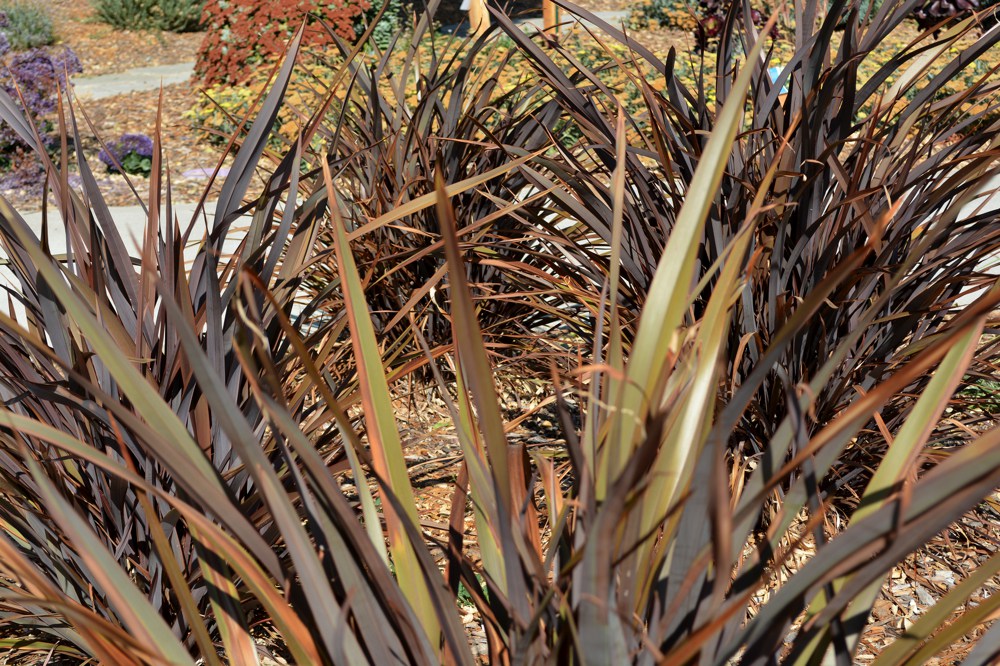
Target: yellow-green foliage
215	112
656	14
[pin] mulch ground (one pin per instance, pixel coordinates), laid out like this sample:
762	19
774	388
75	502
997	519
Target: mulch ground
105	50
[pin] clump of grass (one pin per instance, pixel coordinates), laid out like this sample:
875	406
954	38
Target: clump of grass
26	24
170	15
762	287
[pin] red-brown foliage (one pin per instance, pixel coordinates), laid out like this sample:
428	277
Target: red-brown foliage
243	33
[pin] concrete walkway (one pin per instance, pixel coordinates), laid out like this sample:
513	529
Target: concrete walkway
131	223
568	21
139	79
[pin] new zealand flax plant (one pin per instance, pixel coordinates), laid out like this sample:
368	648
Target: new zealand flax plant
767	291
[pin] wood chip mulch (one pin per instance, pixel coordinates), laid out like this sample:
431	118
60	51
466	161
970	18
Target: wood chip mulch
103	49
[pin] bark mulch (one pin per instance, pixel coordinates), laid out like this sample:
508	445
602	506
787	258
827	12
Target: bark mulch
104	49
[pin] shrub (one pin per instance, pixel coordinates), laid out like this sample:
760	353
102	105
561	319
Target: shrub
242	35
706	18
218	111
760	300
132	154
655	14
33	80
169	15
26	24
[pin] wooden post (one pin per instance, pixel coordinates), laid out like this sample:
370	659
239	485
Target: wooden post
550	17
479	18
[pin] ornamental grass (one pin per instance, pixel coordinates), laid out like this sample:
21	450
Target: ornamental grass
742	309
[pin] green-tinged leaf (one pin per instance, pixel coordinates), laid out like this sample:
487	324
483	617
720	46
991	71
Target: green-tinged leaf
896	466
244	166
373	524
183	591
616	356
660	333
308	567
383	435
184	457
472	360
294	632
952	487
366	605
130	605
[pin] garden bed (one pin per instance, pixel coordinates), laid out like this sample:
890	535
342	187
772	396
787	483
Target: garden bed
103	49
429	440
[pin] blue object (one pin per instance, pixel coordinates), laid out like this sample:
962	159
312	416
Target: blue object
774	73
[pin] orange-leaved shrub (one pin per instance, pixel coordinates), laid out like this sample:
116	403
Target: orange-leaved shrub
241	34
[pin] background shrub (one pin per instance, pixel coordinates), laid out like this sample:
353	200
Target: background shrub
133	153
26	24
170	15
220	111
705	18
936	11
32	79
242	34
677	14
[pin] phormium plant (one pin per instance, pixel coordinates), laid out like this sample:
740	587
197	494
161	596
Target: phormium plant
766	289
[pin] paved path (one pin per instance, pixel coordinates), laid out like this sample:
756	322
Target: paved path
131	223
132	80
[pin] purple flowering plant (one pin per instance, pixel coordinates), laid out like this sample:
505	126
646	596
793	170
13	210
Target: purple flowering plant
33	79
132	153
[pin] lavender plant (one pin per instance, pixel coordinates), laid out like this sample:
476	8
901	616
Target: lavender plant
33	80
131	154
